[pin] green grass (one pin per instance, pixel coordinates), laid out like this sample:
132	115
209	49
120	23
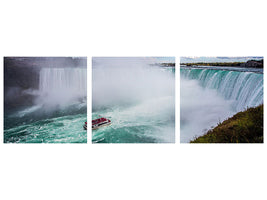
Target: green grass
243	127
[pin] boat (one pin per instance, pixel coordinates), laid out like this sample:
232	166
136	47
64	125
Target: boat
100	122
85	126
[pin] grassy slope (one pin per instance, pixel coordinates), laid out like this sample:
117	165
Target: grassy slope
243	127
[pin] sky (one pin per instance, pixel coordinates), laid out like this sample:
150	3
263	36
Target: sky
150	60
166	59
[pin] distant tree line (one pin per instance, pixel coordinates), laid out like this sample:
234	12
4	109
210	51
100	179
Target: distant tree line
250	63
168	64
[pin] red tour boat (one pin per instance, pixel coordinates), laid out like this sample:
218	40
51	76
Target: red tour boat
85	126
100	122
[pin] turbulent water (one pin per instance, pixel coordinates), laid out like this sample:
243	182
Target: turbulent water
139	101
59	111
209	96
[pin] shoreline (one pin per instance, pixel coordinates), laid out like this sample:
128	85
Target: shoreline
248	64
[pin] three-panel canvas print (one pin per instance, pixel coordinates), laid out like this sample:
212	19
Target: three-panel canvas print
133	100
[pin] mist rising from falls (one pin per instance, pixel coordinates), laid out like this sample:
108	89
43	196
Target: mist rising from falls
62	91
210	96
62	86
126	82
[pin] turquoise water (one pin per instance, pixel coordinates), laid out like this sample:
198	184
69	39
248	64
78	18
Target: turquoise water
139	101
146	122
59	126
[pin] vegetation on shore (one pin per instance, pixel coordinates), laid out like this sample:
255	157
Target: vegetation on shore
165	64
250	63
243	127
168	64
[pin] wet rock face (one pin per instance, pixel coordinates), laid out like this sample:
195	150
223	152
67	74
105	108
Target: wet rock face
18	78
24	77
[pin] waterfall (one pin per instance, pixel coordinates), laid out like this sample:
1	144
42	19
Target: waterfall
245	89
62	85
